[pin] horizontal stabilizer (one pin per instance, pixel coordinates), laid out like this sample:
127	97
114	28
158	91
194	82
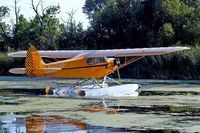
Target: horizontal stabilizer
17	71
22	70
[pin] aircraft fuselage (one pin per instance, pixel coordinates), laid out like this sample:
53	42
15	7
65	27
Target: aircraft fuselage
81	68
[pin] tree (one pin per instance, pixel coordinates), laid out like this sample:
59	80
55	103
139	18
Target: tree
4	11
21	34
184	17
72	36
112	22
4	29
91	7
45	26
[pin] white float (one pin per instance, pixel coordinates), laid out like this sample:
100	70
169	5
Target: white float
97	90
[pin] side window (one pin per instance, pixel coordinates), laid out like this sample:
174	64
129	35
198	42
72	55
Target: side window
103	59
97	60
92	61
89	61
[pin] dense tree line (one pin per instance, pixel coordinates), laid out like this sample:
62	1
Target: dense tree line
115	24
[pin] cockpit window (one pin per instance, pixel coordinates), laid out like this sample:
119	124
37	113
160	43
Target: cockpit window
89	61
92	61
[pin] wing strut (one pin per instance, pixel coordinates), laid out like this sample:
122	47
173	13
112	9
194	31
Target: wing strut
130	61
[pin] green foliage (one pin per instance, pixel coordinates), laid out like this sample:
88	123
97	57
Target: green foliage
45	28
167	30
21	34
91	7
182	109
115	24
4	28
7	63
41	30
112	24
72	35
4	38
4	11
170	8
52	10
167	33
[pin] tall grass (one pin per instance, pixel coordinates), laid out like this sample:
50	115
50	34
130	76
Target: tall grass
182	65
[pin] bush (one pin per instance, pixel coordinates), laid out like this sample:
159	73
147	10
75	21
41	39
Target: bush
7	63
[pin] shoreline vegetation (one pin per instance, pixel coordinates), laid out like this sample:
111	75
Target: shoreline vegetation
113	25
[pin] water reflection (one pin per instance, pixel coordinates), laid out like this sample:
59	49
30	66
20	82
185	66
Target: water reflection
41	124
12	125
51	124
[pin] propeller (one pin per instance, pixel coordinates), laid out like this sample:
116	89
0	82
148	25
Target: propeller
117	63
118	74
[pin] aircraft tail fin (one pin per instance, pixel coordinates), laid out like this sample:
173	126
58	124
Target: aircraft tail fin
33	63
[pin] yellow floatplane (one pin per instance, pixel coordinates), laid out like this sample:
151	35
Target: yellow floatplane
86	64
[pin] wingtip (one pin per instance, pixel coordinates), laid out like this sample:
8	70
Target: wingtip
185	48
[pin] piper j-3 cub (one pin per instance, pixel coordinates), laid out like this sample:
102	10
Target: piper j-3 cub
86	64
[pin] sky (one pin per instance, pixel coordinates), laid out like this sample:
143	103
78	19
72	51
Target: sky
66	6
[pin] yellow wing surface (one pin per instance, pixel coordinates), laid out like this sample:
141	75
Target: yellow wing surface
80	63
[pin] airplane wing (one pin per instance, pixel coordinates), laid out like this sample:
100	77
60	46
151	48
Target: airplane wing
103	53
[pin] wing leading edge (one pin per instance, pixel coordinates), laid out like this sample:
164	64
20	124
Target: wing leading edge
103	53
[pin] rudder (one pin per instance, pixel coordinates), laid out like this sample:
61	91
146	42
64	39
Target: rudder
33	63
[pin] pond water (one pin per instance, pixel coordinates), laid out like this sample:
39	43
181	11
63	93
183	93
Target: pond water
163	106
51	124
